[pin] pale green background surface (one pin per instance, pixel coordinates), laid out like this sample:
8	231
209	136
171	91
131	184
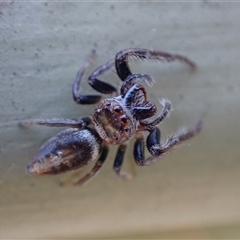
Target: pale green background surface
193	192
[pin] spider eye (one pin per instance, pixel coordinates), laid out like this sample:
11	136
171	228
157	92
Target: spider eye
124	119
117	109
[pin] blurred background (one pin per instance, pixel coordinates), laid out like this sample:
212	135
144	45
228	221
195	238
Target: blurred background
191	193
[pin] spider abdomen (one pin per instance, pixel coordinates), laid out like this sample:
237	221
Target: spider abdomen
71	149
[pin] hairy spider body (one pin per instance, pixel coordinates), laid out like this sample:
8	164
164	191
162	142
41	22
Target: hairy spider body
71	149
115	120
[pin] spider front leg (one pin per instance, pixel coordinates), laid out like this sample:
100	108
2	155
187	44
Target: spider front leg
96	84
158	148
121	61
146	125
130	80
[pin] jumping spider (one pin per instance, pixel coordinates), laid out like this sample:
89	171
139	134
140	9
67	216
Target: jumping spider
114	121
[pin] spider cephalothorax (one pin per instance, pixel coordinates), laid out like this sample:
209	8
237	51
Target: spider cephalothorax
115	120
118	118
